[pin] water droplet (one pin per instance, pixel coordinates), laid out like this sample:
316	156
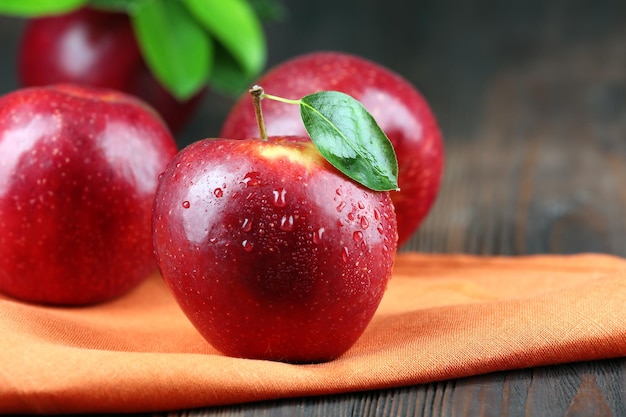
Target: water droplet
279	197
317	236
218	192
339	223
380	229
341	206
361	205
345	254
351	216
363	246
357	236
246	226
286	223
376	214
364	222
186	204
247	245
251	179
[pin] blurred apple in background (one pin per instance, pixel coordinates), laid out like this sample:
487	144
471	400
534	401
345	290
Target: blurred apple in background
400	110
78	173
96	48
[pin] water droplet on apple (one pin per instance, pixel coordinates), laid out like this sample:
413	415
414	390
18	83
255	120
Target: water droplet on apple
286	223
364	222
380	229
361	205
251	179
246	226
341	206
247	245
345	254
317	236
186	204
357	236
376	214
279	197
351	216
218	192
338	191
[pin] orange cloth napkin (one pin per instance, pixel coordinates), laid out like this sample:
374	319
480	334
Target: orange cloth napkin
443	316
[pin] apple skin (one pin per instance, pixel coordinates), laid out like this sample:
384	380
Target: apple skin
400	110
96	48
269	250
78	174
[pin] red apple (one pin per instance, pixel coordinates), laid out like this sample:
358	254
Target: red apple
400	110
95	48
78	174
270	251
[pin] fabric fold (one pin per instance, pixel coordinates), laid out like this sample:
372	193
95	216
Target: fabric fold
442	317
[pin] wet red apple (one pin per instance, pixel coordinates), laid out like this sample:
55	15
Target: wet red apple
78	174
398	107
95	48
270	251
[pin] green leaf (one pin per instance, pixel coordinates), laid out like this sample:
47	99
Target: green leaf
347	135
227	76
174	45
123	6
234	24
33	8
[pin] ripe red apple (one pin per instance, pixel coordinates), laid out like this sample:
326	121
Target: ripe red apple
400	110
95	48
78	173
270	251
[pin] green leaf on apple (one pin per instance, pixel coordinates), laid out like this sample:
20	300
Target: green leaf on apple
347	135
174	45
29	8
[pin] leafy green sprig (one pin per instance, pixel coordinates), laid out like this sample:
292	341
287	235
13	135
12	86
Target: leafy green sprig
345	133
185	43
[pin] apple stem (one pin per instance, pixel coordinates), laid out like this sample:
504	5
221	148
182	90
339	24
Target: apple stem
257	93
282	99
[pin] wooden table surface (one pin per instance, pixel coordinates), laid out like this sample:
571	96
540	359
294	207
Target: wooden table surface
531	97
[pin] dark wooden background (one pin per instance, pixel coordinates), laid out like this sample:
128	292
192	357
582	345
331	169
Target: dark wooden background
531	98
